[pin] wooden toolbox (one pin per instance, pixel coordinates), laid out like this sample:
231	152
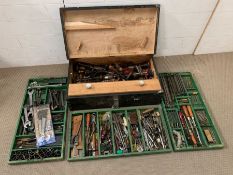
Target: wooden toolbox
103	36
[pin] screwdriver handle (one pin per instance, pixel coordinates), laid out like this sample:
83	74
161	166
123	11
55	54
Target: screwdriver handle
88	119
193	138
190	111
184	108
182	119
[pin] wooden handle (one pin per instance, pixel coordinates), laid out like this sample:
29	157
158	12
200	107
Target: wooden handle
184	108
77	121
182	119
88	119
190	111
193	138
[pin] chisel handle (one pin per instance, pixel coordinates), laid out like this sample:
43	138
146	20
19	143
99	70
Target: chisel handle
184	108
190	111
193	138
88	119
182	119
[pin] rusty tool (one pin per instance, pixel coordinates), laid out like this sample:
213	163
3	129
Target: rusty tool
77	136
88	119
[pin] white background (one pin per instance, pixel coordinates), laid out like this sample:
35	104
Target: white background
31	34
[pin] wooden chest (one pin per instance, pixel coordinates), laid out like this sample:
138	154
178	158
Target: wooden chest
106	36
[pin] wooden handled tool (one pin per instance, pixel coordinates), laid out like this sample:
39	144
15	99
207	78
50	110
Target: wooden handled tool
77	136
209	136
77	121
192	137
194	123
88	120
190	111
184	108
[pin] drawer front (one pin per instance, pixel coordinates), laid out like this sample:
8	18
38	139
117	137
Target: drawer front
113	101
95	102
119	87
140	99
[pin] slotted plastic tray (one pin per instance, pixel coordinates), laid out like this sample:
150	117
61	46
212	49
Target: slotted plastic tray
49	152
115	153
208	133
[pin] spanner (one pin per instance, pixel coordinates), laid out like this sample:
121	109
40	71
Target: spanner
30	92
27	122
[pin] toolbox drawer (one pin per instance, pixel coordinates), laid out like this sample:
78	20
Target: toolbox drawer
121	37
117	87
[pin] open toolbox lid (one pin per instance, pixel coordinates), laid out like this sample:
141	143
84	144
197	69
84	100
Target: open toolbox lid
95	32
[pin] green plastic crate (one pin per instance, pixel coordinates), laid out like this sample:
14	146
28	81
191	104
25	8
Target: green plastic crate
198	106
111	110
33	154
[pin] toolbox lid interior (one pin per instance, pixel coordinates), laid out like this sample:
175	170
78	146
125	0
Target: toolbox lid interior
95	32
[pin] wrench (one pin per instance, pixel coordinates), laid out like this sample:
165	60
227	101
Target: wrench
27	122
30	93
42	116
24	129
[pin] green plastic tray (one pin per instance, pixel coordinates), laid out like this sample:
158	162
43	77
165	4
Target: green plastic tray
101	111
195	100
61	134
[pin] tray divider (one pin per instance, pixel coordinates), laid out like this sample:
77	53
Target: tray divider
112	131
83	135
98	132
129	130
202	137
141	129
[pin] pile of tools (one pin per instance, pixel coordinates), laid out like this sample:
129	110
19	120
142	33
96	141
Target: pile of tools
204	122
117	132
135	132
56	99
106	146
36	98
27	118
32	154
120	126
91	137
173	86
84	72
76	139
153	131
37	121
189	125
30	142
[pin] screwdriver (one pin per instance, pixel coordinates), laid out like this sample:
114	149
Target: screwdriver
88	119
182	119
93	135
192	117
184	108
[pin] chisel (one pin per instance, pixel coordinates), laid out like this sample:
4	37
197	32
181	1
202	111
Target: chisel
194	124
